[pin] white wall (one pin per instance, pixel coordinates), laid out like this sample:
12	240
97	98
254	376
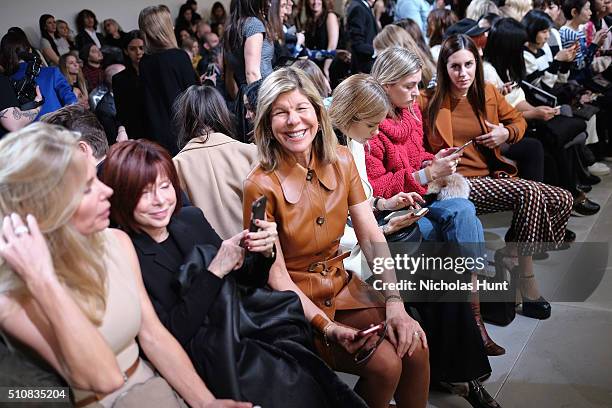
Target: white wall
25	13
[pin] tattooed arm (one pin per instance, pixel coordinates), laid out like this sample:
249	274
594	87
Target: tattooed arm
14	118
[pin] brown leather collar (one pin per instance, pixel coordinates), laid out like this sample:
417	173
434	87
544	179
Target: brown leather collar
293	176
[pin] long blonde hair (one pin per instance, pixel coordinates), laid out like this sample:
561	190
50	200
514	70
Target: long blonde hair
63	66
279	82
393	64
156	24
395	36
41	174
359	97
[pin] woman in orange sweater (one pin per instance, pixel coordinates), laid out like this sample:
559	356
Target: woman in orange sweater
463	109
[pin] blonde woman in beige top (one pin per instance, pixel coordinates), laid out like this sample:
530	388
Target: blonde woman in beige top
71	289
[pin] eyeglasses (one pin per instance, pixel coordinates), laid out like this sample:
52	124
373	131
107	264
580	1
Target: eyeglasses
363	356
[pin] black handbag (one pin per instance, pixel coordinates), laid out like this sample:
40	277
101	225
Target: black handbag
255	345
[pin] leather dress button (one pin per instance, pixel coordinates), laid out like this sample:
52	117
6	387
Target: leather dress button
328	303
320	220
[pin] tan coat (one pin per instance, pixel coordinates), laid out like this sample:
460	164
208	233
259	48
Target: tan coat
212	174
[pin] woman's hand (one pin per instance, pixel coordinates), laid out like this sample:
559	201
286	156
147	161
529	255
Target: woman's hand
498	135
397	223
263	240
447	152
545	113
444	166
24	248
600	37
506	88
401	200
567	54
229	257
347	338
403	331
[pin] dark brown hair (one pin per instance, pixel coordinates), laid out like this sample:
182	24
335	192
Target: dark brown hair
128	169
80	119
80	19
438	22
312	22
199	111
476	93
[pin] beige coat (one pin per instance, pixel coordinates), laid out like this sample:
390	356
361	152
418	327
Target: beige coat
212	174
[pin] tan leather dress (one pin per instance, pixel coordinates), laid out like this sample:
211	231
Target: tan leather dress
310	207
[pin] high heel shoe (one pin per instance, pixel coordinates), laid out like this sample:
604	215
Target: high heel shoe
535	308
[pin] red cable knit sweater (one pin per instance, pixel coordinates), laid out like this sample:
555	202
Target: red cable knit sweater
395	153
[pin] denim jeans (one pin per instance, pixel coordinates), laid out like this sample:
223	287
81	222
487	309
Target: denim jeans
454	220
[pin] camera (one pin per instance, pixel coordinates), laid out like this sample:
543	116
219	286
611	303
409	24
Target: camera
25	88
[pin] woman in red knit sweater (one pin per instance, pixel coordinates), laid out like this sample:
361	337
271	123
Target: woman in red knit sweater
397	161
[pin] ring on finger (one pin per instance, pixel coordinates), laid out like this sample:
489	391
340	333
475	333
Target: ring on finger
22	229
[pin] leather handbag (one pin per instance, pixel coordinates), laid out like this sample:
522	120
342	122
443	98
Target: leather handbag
255	345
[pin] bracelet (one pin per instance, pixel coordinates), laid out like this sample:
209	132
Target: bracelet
375	203
390	298
384	229
325	338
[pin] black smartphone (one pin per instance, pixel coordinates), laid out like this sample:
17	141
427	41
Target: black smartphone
258	212
210	70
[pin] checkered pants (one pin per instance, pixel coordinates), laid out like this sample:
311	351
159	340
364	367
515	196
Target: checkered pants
540	211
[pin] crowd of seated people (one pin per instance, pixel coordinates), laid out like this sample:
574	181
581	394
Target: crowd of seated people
192	209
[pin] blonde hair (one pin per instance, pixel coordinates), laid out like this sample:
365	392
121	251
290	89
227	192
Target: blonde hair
393	64
41	174
395	36
357	98
156	24
479	8
515	9
280	82
63	66
315	74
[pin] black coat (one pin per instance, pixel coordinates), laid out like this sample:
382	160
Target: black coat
82	39
240	339
129	101
183	315
164	76
361	29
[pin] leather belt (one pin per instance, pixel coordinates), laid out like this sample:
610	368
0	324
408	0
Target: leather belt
98	397
325	266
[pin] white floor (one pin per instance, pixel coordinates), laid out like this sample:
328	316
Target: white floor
565	361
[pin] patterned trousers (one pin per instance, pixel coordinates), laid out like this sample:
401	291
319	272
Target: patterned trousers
540	211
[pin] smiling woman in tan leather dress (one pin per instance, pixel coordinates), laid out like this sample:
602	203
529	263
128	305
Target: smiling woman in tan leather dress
311	184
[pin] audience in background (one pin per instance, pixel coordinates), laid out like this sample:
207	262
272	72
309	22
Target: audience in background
87	25
165	72
114	36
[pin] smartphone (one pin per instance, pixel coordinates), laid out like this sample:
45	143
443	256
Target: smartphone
258	212
369	330
460	149
416	211
210	70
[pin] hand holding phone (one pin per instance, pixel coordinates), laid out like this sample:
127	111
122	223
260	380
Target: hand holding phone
417	212
258	212
372	329
462	147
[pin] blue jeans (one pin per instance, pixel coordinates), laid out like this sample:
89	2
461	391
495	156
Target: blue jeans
453	220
